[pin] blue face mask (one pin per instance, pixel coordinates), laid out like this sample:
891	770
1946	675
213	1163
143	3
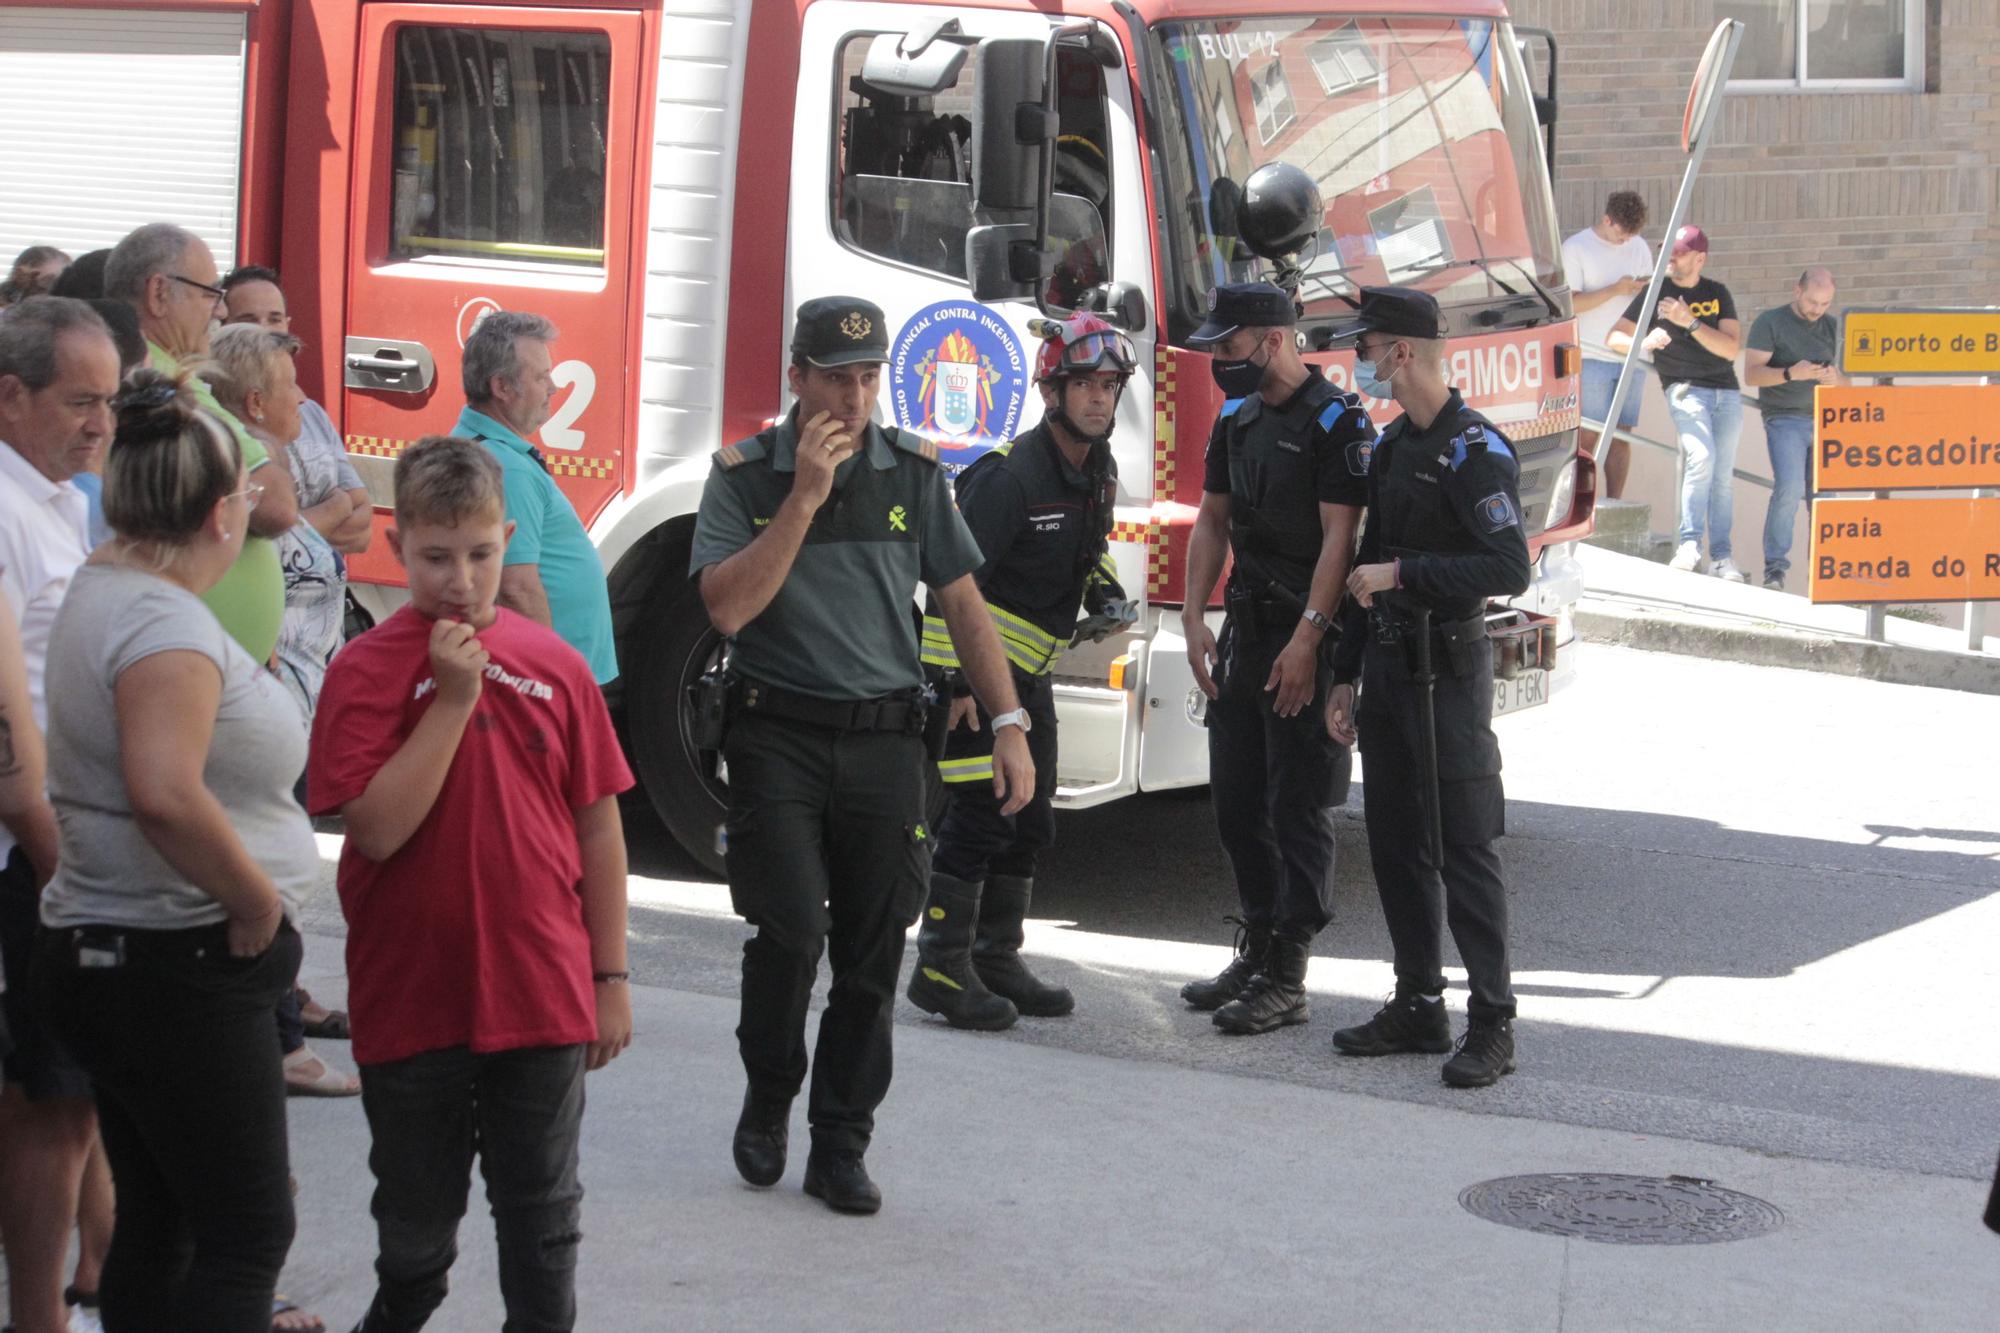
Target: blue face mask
1366	379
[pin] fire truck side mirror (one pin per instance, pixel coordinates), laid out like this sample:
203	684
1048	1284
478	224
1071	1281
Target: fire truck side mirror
912	65
1009	134
1003	264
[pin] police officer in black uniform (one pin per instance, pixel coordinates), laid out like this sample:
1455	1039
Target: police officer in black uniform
1283	491
826	833
1444	534
1041	508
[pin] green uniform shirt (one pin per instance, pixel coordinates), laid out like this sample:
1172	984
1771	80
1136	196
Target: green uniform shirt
549	535
842	625
250	599
1791	340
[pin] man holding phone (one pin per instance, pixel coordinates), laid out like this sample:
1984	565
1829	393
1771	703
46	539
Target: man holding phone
1791	350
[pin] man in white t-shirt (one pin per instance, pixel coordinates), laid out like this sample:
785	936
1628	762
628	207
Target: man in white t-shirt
1607	265
58	372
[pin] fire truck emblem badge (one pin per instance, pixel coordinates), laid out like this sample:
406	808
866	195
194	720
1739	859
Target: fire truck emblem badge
856	326
957	374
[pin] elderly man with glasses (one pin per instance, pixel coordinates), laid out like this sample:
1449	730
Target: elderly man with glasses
167	275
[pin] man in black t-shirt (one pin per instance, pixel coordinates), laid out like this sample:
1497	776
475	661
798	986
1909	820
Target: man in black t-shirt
1695	338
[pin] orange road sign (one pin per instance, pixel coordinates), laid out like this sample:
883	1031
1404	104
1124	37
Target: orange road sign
1917	550
1925	437
1964	341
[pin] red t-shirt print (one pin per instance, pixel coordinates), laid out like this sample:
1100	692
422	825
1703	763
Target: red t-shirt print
472	933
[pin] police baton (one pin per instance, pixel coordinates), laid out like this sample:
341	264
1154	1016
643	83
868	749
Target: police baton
1427	732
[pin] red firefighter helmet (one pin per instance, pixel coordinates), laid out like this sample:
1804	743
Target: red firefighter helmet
1080	345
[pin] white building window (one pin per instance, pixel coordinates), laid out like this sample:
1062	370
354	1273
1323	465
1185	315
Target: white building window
1273	98
1828	44
1343	60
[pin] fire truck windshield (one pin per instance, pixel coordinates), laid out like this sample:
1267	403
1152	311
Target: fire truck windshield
1420	133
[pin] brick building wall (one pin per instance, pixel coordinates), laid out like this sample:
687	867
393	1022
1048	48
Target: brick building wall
1898	191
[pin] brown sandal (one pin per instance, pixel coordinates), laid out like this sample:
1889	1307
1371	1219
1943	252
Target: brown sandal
331	1024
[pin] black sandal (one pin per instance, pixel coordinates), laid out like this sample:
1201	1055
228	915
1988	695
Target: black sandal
333	1027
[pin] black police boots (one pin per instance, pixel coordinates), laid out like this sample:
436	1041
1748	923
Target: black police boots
1408	1022
1276	996
1252	944
838	1179
945	982
996	954
1485	1052
761	1135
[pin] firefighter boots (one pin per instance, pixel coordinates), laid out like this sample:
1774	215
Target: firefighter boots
1276	996
1252	943
1485	1052
996	954
1408	1022
945	982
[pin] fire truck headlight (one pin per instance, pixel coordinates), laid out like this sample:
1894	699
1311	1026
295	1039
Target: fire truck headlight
1561	497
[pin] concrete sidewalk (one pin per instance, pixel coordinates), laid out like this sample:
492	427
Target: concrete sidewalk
1029	1187
1639	603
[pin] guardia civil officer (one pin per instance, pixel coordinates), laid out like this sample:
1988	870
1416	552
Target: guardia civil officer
1041	508
1444	534
826	833
1283	491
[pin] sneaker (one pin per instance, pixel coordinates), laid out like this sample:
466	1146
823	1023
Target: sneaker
1774	579
1686	557
1726	570
1405	1023
1485	1052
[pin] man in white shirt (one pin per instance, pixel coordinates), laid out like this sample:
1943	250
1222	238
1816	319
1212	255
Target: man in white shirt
58	372
1607	265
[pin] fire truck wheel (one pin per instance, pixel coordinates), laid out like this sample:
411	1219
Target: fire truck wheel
674	645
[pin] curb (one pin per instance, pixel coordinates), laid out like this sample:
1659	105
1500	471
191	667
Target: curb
1805	650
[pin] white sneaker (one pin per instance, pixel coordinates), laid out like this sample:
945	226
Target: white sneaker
1686	557
84	1321
1726	570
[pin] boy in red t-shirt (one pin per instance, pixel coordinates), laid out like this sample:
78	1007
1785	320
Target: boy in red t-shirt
483	880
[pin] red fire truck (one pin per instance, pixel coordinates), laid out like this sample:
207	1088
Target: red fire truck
667	179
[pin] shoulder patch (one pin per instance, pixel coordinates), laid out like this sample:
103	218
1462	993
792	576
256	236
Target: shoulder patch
912	443
1231	406
1497	512
739	453
1360	455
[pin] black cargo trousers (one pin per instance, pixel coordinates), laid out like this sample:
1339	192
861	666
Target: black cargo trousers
974	839
826	842
1472	895
1275	782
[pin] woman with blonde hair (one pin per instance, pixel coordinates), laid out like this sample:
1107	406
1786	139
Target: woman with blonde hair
182	864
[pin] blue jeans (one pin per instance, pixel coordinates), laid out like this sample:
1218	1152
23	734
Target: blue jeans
1600	379
1709	423
1790	441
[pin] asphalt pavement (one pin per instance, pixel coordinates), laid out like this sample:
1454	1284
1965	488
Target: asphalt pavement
1753	922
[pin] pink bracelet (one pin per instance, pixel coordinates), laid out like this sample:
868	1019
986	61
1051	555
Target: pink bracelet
1399	571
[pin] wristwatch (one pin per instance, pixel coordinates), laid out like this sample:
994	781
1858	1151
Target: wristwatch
1017	718
1317	619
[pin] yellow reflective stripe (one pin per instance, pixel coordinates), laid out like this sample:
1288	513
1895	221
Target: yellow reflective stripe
1027	631
966	770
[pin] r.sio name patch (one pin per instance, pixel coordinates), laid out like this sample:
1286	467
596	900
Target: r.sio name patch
1497	511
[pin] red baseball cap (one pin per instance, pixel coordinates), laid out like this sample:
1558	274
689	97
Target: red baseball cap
1689	238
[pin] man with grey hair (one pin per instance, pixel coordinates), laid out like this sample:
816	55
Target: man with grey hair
1791	351
58	372
167	274
551	572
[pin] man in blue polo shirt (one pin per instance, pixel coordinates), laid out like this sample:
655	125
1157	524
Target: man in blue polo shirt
552	573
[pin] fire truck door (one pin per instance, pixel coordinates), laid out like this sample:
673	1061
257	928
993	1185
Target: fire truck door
493	166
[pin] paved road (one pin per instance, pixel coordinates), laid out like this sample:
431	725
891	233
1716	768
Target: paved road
1754	909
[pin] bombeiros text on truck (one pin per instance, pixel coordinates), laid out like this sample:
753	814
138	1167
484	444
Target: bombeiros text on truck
667	179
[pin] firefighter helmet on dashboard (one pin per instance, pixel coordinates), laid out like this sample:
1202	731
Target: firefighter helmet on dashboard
1083	344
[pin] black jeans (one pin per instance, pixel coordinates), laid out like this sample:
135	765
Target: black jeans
1275	782
826	841
522	1113
191	1103
974	839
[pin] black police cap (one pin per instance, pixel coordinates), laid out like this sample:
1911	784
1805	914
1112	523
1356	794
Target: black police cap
1245	305
1400	312
840	331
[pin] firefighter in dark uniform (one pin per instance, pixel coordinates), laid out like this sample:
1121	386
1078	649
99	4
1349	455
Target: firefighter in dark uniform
1444	534
826	833
1283	492
1040	507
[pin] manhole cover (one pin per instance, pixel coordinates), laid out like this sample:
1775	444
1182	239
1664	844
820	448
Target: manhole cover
1622	1210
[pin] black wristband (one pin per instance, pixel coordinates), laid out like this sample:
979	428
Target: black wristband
1788	374
602	977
